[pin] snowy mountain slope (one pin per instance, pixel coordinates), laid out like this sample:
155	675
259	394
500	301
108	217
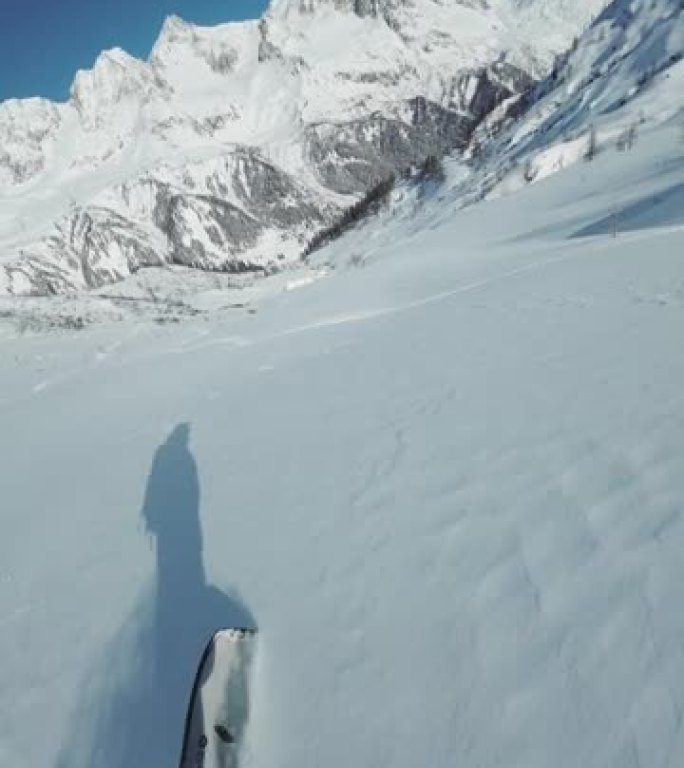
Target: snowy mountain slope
624	73
447	486
551	25
331	97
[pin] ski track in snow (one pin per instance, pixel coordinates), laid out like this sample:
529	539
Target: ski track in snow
192	346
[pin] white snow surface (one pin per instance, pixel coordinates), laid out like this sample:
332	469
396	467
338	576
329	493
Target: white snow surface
445	481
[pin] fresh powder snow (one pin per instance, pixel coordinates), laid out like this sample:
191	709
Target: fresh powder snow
444	481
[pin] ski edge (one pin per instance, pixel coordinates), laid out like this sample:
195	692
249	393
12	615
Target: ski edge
235	634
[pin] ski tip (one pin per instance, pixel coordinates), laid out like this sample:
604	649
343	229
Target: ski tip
235	634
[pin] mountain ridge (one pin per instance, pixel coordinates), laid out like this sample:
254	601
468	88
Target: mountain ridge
329	95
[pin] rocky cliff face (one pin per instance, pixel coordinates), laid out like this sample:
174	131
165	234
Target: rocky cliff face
231	146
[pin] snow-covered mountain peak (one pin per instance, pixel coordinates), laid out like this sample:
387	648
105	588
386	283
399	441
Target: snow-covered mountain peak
363	8
182	45
16	112
289	8
175	28
175	33
114	63
115	76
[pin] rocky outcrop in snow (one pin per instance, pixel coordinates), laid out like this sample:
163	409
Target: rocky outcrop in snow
27	131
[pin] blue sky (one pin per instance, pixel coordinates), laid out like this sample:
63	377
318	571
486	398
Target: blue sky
44	42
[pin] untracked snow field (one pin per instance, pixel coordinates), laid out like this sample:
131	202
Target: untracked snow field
446	482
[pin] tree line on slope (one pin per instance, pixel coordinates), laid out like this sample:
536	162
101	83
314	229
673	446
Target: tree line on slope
431	169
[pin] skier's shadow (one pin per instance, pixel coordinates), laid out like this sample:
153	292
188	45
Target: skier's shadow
135	716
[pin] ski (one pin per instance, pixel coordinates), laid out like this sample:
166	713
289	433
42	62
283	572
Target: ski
219	702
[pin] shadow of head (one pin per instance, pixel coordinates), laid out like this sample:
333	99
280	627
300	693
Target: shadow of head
172	495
